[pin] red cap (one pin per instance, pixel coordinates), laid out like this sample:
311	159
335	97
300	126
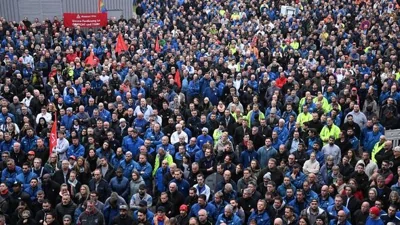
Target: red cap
31	153
374	210
183	208
354	89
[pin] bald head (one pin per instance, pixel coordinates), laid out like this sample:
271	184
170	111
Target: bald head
278	221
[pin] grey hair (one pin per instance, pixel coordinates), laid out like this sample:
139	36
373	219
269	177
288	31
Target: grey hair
229	208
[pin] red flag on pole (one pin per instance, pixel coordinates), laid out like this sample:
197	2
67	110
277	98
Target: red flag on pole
53	134
91	60
121	45
177	79
157	47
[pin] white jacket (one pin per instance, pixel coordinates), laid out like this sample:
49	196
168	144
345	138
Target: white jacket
311	167
61	149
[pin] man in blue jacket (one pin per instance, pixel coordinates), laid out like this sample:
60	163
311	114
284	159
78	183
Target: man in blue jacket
120	184
182	183
144	168
194	88
260	215
372	138
68	119
4	114
26	176
29	141
128	164
166	146
76	149
333	210
7	144
204	138
228	217
299	203
132	142
33	189
211	93
154	135
9	174
202	204
296	176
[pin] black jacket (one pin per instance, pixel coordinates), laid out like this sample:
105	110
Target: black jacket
353	205
276	175
118	220
182	220
40	216
239	134
359	218
59	178
383	155
19	158
110	173
301	157
62	210
51	191
177	199
94	218
346	170
102	188
362	180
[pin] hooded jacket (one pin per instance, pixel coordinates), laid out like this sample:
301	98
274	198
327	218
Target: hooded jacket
91	218
134	186
62	210
312	217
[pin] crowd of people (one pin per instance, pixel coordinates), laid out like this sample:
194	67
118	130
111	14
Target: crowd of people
218	113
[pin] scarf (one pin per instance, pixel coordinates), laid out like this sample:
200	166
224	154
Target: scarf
73	185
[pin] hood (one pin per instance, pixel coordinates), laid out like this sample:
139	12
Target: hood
138	180
320	211
282	206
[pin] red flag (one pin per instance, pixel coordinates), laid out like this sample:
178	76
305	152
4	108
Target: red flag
254	41
53	134
157	47
177	79
91	59
121	45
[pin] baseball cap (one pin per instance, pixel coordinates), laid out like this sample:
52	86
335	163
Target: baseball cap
16	183
143	203
123	207
161	209
374	210
267	176
183	208
31	153
72	157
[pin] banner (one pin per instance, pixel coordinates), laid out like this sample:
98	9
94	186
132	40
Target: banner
85	19
53	134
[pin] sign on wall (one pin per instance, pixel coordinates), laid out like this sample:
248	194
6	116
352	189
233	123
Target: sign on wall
85	19
288	11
